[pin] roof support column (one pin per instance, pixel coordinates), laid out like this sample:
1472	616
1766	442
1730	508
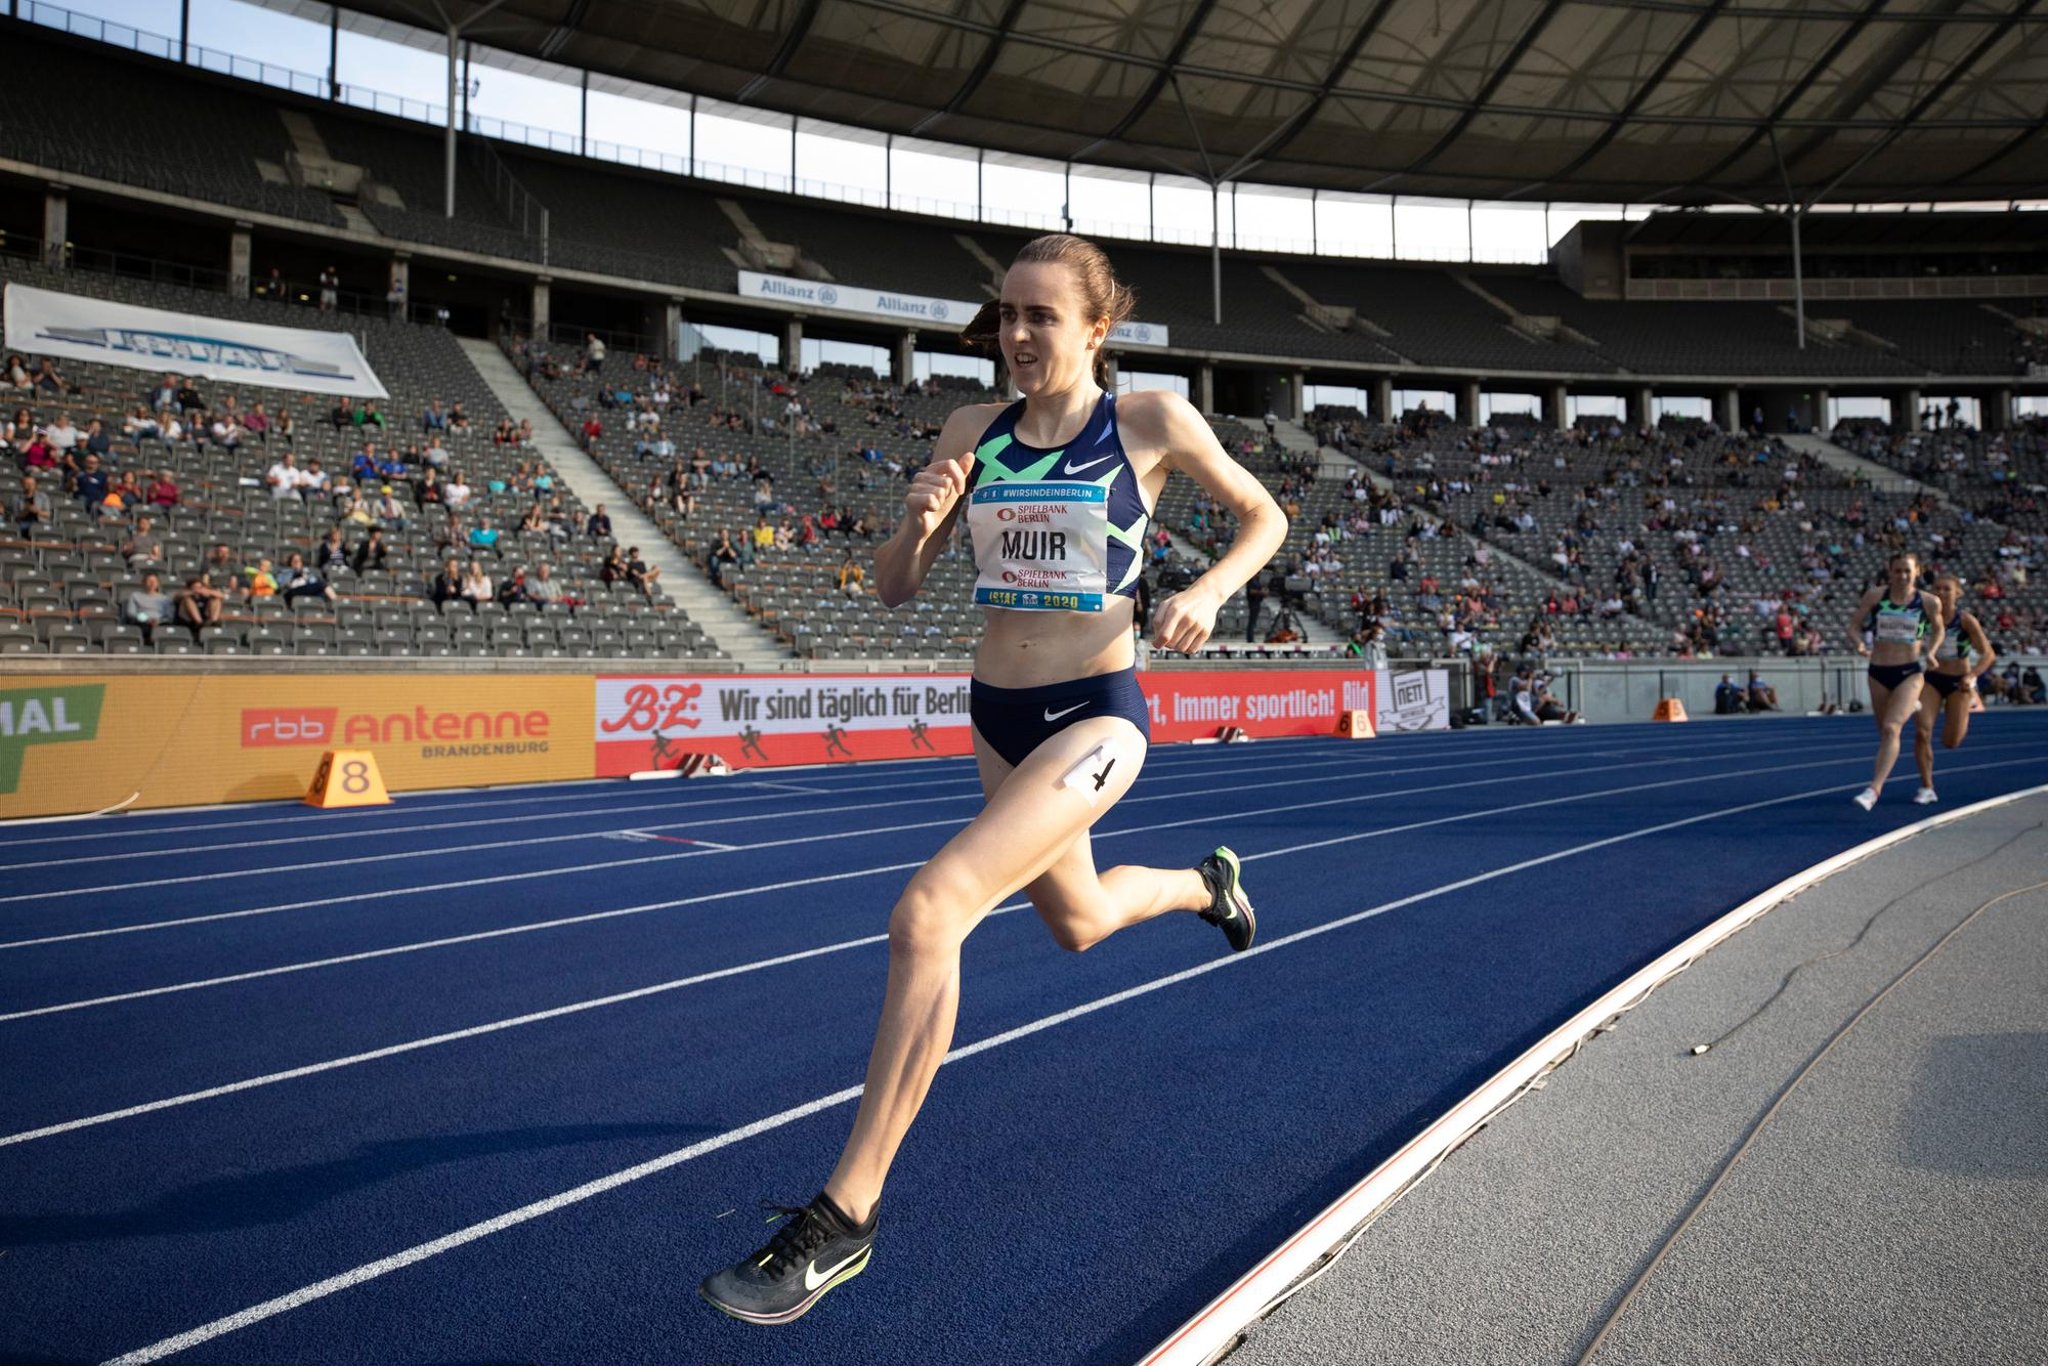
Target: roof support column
1998	409
793	345
1556	410
1906	410
239	255
543	318
1728	409
1640	403
905	369
1468	403
448	147
1205	387
1216	255
56	226
1297	401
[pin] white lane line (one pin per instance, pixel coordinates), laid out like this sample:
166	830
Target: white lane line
702	897
757	818
652	808
357	897
740	790
415	804
304	1295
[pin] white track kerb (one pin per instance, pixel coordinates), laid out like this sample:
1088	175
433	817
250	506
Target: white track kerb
1216	1328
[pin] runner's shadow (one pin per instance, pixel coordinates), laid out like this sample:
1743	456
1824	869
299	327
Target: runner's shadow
250	1199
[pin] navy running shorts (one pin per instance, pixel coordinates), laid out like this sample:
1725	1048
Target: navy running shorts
1016	721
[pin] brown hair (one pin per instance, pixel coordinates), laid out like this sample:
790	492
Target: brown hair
1102	294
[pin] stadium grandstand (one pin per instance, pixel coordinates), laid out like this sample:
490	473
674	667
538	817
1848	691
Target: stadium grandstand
468	411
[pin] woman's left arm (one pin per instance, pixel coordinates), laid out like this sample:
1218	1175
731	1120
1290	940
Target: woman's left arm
1930	606
1185	620
1981	643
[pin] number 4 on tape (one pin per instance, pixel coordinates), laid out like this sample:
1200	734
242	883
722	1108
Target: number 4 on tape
347	777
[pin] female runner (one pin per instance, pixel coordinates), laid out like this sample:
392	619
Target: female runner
1964	652
1057	490
1899	616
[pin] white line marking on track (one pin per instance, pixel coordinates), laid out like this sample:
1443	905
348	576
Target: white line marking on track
385	893
801	814
135	825
596	916
756	817
304	1295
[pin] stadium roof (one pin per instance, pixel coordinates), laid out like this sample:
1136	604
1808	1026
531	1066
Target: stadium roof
1642	101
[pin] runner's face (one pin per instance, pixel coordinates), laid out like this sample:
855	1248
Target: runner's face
1903	572
1048	341
1950	592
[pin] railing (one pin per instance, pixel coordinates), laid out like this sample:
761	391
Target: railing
518	204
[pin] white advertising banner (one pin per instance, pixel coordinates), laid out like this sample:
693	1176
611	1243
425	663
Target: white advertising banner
914	308
1414	699
73	327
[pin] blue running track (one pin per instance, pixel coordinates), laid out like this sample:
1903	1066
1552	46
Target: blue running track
498	1077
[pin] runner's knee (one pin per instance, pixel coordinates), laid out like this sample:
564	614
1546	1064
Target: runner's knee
934	913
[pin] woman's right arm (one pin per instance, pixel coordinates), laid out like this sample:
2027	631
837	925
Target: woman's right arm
931	506
1864	608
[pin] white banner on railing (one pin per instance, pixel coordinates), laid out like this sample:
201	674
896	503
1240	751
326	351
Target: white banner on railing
1414	699
73	327
952	314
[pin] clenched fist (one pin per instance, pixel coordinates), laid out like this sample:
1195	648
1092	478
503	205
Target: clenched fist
935	489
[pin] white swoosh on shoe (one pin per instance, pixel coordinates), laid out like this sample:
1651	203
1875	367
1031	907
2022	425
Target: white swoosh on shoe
1076	469
1052	715
813	1278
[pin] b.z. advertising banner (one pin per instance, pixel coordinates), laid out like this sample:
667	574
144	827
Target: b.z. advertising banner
73	327
651	722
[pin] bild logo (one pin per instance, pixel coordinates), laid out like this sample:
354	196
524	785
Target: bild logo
266	726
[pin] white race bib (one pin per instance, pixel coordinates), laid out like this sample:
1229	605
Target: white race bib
1040	547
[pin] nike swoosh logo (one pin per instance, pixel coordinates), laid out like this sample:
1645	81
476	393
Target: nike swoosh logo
813	1278
1052	715
1077	469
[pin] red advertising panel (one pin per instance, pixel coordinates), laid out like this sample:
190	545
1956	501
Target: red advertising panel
756	720
1263	702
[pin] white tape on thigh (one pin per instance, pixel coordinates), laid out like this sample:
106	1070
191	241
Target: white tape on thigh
1090	773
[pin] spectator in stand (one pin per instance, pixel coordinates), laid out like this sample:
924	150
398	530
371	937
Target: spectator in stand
259	580
283	477
220	563
143	546
332	553
599	527
367	464
458	421
163	492
476	585
148	607
447	585
542	588
613	568
593	353
639	574
762	539
33	511
257	424
225	432
330	289
370	552
368	416
89	485
512	591
722	557
592	430
190	400
17	373
313	481
433	419
299	580
139	426
456	493
351	508
388	510
198	604
485	537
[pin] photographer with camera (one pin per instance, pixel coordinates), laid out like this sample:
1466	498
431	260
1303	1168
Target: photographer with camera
1254	604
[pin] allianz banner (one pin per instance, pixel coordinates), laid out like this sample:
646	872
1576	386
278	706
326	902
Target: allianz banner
73	327
952	314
